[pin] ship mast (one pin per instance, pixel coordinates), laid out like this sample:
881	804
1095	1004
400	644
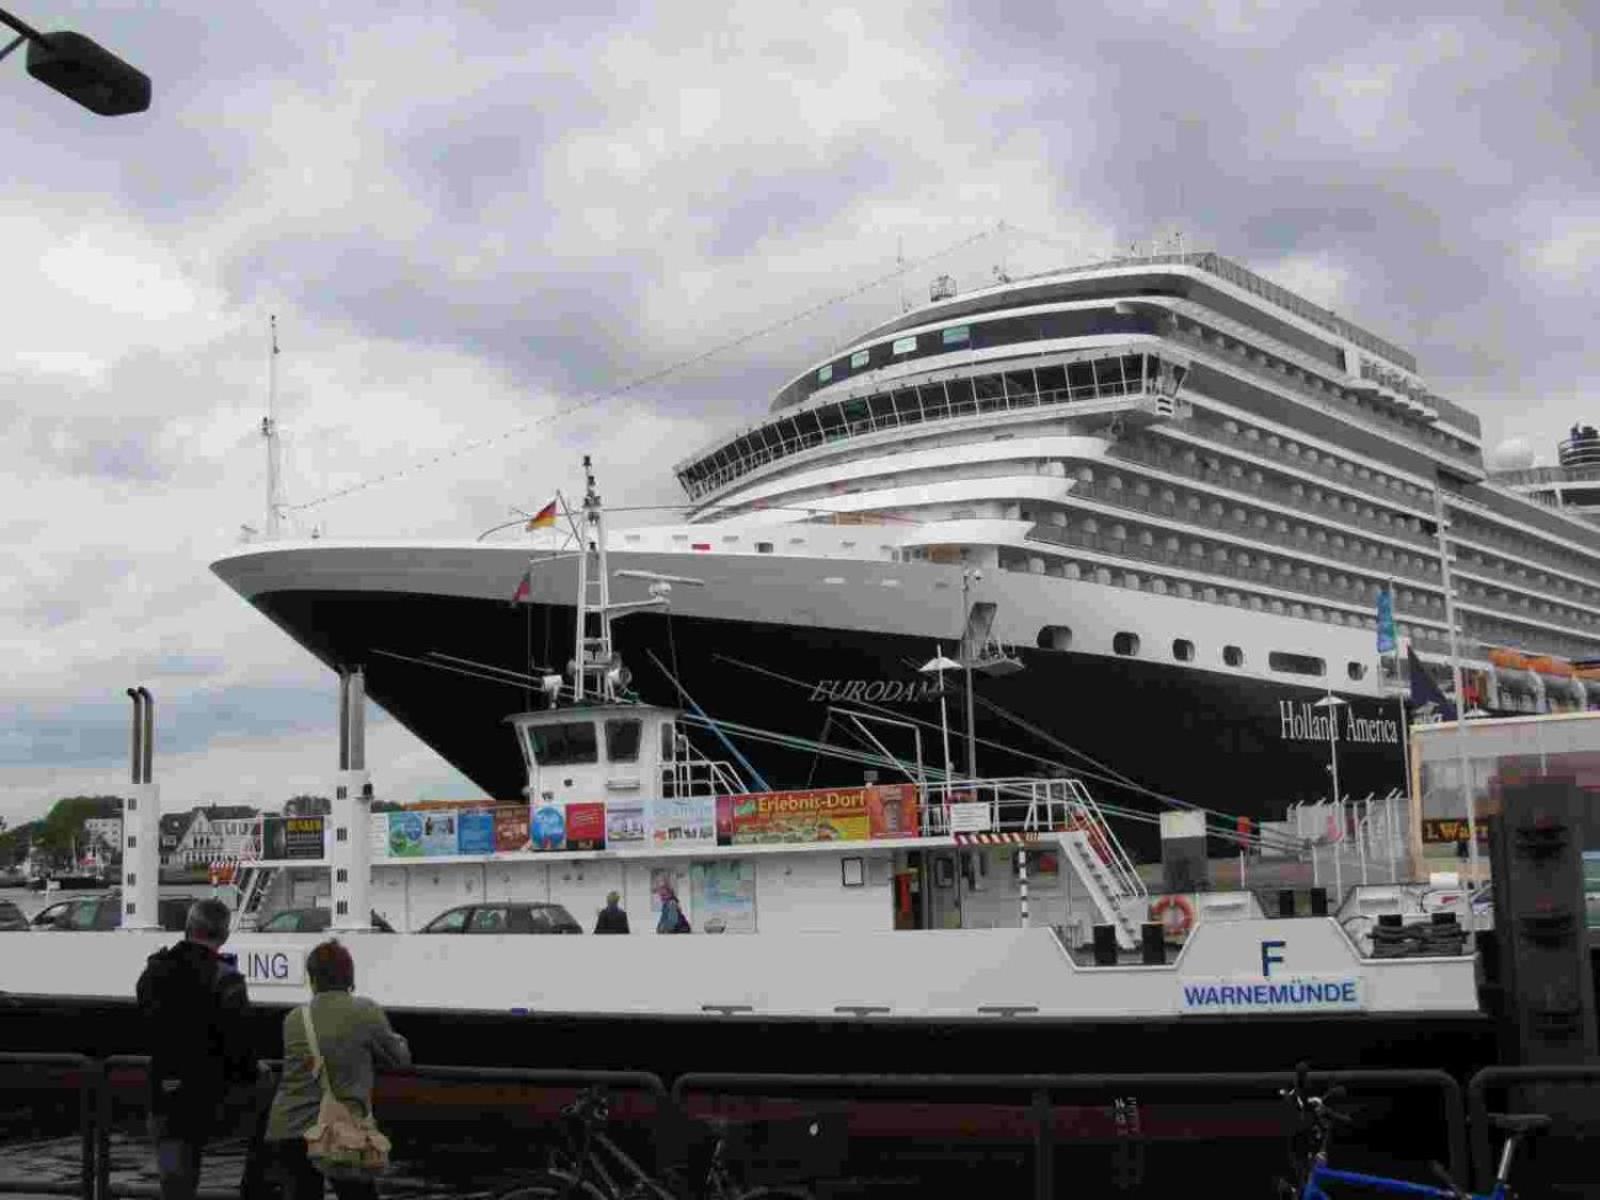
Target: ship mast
269	433
597	670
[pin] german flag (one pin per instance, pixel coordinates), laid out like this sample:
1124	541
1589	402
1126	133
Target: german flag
544	518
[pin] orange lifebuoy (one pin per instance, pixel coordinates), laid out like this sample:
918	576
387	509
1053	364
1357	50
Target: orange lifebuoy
1182	923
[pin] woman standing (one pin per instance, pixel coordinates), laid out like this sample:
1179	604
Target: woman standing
353	1038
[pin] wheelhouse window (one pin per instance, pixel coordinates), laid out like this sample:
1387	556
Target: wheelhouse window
622	739
956	335
825	374
1233	656
904	345
860	359
569	744
1125	644
1296	664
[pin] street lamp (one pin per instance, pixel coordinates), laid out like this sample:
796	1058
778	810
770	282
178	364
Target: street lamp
969	576
81	70
939	664
1331	704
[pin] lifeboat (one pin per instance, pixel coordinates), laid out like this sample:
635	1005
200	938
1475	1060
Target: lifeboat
1588	674
1546	665
1509	659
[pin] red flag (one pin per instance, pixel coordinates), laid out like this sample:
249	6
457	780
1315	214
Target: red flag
524	589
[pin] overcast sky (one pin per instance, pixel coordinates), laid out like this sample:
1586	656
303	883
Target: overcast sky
470	216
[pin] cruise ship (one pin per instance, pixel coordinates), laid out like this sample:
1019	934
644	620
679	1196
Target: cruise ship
1152	499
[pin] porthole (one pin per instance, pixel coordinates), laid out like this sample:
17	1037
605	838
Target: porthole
1296	664
1183	650
1233	656
1055	637
1125	644
1356	670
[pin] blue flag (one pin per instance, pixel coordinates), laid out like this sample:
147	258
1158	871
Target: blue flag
1387	642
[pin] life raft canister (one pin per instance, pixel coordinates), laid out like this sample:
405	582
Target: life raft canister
1175	913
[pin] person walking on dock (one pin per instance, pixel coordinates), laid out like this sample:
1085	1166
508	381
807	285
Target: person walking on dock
332	1048
204	1076
672	918
612	919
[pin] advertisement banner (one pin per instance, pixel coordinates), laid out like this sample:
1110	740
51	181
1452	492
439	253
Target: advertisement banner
297	838
438	834
405	835
724	820
548	829
475	832
510	829
821	815
892	811
685	819
724	896
586	826
626	824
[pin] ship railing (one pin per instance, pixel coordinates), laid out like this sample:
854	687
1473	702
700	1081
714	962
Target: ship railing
1014	805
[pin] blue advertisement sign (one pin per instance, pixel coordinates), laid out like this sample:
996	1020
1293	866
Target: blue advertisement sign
405	835
549	828
475	833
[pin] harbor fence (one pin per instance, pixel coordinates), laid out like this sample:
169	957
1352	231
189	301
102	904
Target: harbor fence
88	1082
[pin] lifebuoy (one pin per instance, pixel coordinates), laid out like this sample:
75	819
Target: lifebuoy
1176	926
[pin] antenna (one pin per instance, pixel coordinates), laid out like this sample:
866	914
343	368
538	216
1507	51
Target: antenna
900	268
269	432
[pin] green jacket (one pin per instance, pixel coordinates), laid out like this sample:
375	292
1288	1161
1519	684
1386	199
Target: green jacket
355	1037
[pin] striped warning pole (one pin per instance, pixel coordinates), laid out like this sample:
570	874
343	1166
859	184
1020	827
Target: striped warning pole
1022	878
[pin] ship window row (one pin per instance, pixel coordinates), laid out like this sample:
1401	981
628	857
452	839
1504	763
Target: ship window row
1472	529
1099	377
1346	472
1157	544
1472	591
1313	384
1523	576
1479	631
974	335
1309	608
1199	508
1127	645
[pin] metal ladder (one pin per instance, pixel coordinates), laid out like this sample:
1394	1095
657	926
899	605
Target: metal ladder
1102	864
256	890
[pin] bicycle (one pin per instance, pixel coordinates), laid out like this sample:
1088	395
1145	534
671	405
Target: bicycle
582	1170
1316	1132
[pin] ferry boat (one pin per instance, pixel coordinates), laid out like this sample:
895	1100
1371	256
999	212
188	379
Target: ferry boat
1167	488
1002	916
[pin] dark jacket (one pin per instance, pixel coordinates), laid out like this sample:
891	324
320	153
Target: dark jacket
196	1011
672	917
611	920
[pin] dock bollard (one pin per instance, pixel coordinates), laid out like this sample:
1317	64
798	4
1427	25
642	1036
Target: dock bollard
1105	945
1153	940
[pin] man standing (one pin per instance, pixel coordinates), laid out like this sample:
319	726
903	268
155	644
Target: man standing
612	919
202	1067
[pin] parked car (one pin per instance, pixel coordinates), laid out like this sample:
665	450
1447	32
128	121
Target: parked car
310	920
12	918
47	916
92	914
504	918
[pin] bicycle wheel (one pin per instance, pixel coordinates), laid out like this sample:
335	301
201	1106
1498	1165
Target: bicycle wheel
553	1185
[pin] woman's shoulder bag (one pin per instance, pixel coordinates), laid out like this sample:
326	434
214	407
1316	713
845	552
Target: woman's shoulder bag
340	1144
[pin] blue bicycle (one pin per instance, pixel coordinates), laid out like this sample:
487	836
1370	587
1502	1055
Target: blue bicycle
1316	1132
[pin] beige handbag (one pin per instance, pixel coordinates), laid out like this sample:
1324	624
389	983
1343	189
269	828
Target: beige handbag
341	1145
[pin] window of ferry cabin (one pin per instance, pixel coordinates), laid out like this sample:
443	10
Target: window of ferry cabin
622	739
568	744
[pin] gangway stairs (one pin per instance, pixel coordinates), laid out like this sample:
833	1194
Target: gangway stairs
257	886
1102	865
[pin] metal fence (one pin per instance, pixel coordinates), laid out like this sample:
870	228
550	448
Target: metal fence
89	1081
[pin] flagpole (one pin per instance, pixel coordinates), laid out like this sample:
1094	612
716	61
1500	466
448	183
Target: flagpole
1405	749
1468	798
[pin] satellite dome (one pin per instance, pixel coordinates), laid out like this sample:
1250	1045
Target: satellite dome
1513	454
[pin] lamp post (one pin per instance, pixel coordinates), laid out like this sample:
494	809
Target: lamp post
939	664
81	70
1331	705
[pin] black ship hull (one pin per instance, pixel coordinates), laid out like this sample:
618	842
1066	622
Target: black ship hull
1141	733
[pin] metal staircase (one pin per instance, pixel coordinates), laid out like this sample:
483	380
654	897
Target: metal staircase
1102	865
257	886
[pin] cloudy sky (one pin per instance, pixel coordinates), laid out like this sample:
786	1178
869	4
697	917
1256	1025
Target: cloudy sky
471	218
